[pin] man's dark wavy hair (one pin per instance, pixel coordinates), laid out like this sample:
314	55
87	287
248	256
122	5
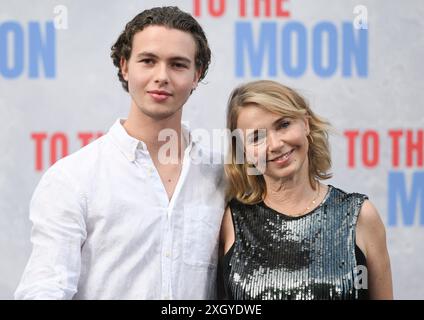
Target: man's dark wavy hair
170	17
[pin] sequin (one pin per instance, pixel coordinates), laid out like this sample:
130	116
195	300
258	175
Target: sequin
276	256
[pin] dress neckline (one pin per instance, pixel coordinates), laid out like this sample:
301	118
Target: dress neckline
289	217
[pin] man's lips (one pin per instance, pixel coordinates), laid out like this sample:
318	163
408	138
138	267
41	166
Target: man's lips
283	156
160	92
159	95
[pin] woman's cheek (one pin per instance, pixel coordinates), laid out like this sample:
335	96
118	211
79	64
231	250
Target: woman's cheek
257	156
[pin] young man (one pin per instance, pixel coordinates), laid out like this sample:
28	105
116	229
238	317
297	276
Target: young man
122	218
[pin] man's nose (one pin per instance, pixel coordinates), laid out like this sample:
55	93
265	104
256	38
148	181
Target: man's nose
161	75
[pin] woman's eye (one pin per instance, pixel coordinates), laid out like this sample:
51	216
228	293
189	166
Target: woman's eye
257	137
283	124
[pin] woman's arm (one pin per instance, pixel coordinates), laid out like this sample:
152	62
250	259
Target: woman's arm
371	238
227	236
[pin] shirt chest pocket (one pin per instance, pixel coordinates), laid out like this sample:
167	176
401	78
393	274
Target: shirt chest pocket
201	235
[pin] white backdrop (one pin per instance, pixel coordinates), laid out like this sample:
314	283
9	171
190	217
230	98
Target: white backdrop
57	82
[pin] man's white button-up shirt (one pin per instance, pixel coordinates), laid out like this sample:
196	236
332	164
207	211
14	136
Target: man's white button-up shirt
104	228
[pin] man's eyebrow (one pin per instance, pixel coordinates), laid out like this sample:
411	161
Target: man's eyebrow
146	54
179	58
152	55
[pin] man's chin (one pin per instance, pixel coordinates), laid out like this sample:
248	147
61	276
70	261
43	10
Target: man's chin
161	115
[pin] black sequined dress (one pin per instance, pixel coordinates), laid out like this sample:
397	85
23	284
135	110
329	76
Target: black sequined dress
313	256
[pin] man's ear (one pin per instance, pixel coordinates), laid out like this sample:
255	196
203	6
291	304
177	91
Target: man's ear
196	78
124	68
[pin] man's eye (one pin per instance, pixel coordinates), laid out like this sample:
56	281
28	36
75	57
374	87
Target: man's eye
180	65
147	61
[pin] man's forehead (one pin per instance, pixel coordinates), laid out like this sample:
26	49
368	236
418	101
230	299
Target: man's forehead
155	32
160	41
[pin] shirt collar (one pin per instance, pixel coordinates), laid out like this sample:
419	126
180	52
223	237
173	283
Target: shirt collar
128	145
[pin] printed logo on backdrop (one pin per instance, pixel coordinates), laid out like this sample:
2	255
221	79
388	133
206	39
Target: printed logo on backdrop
29	49
265	53
405	181
268	43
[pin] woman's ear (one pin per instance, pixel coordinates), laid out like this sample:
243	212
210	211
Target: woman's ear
307	128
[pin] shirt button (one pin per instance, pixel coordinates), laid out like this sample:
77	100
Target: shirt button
167	254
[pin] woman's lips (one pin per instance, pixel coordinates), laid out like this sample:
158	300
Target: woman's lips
283	158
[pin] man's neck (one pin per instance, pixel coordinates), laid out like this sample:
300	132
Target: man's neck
147	129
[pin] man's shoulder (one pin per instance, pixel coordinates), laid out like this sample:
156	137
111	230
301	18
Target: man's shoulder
209	167
83	160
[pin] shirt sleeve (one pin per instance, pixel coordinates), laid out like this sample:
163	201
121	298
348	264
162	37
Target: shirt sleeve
57	212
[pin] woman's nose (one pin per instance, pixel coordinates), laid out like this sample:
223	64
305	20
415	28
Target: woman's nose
274	142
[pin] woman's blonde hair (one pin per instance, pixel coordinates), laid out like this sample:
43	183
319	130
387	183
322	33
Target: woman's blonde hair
276	98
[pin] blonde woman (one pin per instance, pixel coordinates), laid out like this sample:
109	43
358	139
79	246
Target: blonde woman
285	234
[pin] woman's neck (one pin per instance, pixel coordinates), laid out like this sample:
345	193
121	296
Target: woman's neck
288	192
294	195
